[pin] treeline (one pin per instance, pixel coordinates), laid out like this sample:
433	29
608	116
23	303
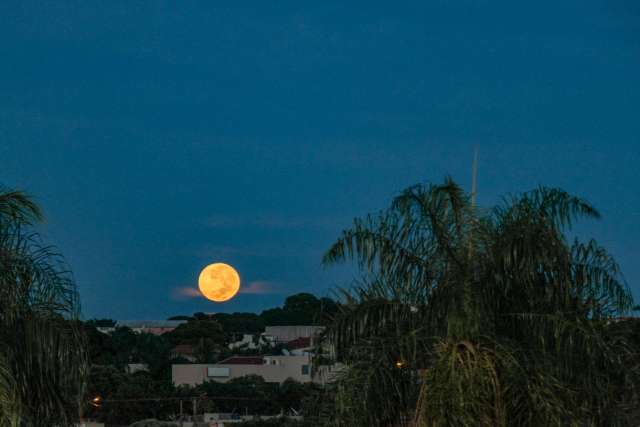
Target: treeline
298	309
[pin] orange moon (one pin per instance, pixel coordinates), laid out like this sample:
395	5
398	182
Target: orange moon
219	282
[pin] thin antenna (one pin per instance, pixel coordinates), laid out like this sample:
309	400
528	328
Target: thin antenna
474	178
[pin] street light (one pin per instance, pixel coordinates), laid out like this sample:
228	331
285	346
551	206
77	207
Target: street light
96	401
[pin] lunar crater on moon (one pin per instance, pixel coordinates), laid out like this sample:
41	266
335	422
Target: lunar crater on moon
219	282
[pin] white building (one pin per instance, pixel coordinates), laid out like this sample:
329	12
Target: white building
274	369
284	334
156	327
251	342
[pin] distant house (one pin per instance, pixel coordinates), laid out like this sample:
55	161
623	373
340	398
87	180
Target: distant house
274	369
300	343
155	327
250	342
184	351
300	346
243	360
285	334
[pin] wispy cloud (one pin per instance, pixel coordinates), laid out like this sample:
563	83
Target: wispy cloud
258	287
185	292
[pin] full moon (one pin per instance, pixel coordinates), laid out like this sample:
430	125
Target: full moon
219	282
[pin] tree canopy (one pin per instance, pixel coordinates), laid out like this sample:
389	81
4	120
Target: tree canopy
466	316
300	309
42	350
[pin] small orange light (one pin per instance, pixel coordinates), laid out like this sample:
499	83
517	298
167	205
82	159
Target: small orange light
400	364
96	401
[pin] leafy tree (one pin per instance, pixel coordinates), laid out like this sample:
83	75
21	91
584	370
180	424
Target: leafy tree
481	317
104	381
99	346
136	396
42	357
236	324
125	346
319	405
153	351
300	309
103	385
192	332
302	302
327	310
251	394
202	316
180	317
207	351
276	317
290	395
141	385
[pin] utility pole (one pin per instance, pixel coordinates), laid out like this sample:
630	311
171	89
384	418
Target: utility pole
195	409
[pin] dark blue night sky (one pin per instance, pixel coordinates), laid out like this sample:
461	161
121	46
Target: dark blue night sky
160	136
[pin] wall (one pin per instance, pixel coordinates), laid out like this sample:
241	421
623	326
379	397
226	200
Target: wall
287	367
289	333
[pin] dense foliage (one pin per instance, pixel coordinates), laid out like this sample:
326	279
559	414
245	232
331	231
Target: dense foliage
482	317
125	398
42	357
299	309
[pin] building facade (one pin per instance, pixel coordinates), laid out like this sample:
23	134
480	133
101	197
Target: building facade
285	334
274	369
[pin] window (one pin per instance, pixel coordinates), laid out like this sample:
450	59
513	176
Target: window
305	369
217	372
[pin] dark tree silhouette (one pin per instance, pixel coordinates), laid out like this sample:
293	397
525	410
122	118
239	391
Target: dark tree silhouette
481	317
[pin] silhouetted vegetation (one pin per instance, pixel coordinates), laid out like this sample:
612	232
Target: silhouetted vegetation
42	348
482	317
463	317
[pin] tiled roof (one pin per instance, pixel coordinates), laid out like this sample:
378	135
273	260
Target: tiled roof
302	342
242	360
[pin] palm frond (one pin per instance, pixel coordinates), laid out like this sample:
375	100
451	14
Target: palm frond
42	351
17	207
495	317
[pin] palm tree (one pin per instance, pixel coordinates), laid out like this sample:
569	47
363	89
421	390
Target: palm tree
42	356
481	317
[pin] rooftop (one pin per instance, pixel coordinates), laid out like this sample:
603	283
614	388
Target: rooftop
301	342
242	360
